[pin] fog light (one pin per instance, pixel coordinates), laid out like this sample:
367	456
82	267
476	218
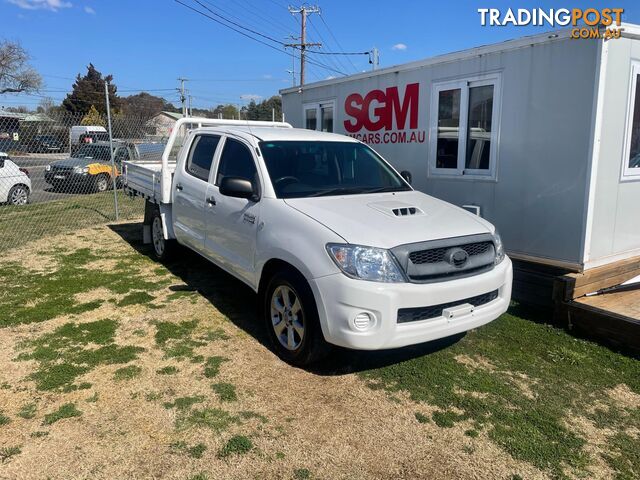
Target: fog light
363	321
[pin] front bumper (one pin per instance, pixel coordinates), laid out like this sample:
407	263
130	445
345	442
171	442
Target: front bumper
67	178
339	299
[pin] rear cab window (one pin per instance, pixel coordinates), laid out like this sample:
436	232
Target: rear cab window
201	155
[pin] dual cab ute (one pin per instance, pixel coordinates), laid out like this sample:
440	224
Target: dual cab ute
339	247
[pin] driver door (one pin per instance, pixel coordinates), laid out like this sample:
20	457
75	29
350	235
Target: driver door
231	224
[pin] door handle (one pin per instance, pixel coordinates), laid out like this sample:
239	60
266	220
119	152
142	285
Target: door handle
211	201
179	187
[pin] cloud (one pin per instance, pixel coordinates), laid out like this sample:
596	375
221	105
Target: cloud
267	76
53	5
399	46
247	97
89	10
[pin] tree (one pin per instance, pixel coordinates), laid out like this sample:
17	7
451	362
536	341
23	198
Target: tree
88	91
264	110
225	111
145	105
16	75
45	105
93	117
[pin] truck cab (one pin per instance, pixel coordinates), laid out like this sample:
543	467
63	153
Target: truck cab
339	247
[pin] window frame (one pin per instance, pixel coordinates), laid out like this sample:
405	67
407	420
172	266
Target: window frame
317	106
628	173
192	147
218	160
464	84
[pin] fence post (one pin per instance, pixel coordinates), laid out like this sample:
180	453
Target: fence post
113	163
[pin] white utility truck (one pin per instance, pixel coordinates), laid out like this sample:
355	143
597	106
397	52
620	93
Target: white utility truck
339	247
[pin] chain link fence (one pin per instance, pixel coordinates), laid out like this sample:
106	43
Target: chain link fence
60	172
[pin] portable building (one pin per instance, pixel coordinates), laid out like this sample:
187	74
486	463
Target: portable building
539	135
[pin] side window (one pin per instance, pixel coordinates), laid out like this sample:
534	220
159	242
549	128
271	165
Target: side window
236	161
319	116
631	165
122	154
201	155
465	123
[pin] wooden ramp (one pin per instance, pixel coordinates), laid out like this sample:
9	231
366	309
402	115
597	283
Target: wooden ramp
613	317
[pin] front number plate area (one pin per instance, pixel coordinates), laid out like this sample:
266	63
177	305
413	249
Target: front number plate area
458	311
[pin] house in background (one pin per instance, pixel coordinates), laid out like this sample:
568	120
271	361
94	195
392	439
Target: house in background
161	124
10	130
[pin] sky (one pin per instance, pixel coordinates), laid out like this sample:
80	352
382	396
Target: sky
147	44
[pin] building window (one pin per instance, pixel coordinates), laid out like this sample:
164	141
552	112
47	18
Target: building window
464	127
319	116
631	157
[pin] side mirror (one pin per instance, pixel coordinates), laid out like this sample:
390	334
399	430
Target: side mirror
406	174
237	187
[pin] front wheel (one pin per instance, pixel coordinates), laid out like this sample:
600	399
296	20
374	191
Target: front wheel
102	183
162	248
291	319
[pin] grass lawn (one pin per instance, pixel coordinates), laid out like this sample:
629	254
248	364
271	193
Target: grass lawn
20	225
124	368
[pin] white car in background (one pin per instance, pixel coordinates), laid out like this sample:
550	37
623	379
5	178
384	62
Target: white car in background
15	184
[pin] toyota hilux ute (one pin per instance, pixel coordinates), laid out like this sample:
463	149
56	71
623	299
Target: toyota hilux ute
339	247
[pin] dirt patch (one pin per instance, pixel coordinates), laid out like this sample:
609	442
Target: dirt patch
476	362
624	397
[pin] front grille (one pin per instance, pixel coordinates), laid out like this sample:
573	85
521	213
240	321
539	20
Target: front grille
58	169
436	255
406	315
446	259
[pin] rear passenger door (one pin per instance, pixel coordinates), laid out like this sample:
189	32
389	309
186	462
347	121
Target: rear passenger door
190	191
232	222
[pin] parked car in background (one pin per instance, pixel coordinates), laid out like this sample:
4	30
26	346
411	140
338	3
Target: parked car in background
45	144
339	247
15	184
82	134
89	168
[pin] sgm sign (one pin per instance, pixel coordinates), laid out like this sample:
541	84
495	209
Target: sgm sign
386	110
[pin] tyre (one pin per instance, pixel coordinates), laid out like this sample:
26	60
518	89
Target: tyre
102	183
291	319
163	249
18	195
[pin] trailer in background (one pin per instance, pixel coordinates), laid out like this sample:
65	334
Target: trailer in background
539	135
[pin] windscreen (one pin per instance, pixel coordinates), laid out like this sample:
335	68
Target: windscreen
97	152
312	169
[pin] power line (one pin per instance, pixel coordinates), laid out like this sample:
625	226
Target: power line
336	40
337	60
255	39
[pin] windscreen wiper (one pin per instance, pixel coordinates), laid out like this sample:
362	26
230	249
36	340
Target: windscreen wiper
386	189
337	191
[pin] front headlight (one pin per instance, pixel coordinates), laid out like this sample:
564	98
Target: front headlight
497	241
366	263
47	168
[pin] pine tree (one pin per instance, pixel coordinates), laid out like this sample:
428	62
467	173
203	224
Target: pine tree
88	91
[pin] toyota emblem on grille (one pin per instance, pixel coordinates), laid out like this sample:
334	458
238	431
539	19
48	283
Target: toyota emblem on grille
457	257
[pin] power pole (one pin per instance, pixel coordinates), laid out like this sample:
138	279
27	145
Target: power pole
183	98
374	58
190	109
303	11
